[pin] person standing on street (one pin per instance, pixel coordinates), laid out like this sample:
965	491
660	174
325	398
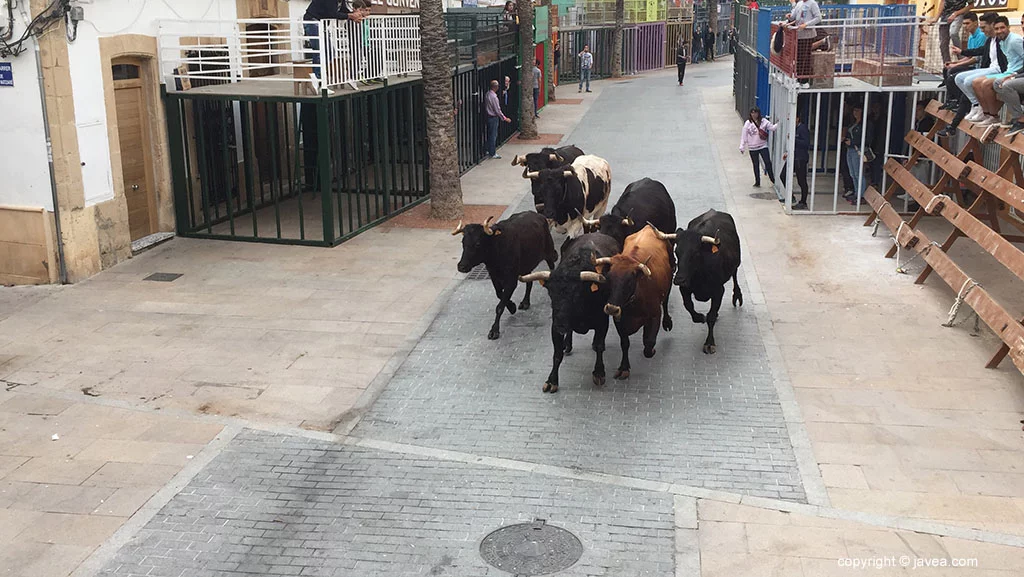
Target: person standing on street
754	138
801	158
536	88
682	53
710	45
494	115
586	65
558	58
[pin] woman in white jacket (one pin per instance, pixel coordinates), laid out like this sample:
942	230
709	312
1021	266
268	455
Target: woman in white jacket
754	138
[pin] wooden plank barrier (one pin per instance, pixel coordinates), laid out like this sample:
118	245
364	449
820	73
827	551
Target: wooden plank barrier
997	193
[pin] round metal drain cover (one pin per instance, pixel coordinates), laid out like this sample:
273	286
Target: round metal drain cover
764	196
531	549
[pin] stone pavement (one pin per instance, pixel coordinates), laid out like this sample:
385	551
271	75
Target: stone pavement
812	440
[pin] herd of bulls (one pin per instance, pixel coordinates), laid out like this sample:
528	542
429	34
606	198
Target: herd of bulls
620	265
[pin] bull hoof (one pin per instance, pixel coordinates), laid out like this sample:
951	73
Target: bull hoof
666	323
648	353
621	375
493	335
550	388
709	349
737	298
697	318
511	308
568	349
524	306
598	380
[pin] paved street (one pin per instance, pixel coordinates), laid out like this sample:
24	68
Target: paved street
291	411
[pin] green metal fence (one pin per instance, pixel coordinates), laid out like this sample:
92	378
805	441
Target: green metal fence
295	170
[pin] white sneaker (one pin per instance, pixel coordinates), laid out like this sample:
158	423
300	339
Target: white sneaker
975	114
987	120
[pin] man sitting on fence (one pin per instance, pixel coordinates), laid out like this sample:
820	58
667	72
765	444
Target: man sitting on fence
977	35
991	60
320	10
951	17
1012	45
1009	91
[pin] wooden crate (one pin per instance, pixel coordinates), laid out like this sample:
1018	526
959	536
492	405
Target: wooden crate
823	67
895	71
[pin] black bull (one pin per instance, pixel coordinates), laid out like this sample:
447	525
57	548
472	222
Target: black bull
707	255
578	296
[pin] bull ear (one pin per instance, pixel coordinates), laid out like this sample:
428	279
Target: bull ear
459	229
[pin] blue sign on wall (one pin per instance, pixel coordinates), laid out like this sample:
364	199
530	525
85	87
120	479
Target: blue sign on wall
6	74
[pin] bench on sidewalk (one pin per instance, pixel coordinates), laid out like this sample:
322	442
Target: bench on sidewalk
1000	195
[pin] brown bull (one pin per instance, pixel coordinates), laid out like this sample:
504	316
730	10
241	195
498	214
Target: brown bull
639	280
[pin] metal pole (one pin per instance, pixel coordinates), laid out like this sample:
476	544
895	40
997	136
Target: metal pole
839	149
790	146
814	157
888	133
863	139
62	276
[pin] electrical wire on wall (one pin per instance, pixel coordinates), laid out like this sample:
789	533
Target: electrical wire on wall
56	12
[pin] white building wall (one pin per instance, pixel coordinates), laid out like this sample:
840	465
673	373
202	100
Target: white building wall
23	161
110	18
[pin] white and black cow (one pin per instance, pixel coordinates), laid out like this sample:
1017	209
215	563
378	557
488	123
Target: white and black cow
574	194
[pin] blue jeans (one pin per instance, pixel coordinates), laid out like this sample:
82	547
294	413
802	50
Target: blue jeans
492	134
853	161
536	101
585	76
313	32
964	81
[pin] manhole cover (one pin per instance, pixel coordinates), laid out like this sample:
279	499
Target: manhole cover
531	549
163	276
479	272
764	195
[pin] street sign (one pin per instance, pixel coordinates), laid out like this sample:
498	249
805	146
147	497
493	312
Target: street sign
6	74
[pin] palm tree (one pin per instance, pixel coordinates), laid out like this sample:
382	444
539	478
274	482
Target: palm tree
620	18
445	187
527	123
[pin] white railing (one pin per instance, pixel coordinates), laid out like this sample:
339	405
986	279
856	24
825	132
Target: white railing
196	53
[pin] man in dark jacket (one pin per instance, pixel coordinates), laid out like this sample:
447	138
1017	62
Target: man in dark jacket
682	53
709	43
801	157
326	10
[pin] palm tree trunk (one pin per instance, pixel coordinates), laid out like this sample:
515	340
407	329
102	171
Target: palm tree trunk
445	187
527	123
620	21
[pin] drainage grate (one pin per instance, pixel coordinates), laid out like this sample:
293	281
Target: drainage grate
531	548
479	272
163	277
764	195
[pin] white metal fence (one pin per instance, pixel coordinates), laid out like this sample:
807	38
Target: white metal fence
315	54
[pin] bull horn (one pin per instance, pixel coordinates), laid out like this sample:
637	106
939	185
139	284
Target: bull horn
518	160
533	174
605	260
710	240
591	225
591	276
536	276
558	158
568	173
662	235
487	226
644	268
554	157
539	206
459	229
628	221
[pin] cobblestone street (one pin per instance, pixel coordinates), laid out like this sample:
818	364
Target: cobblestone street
806	442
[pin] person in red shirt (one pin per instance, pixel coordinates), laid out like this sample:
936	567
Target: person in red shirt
753	5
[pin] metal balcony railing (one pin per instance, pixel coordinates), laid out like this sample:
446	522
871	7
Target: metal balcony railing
316	54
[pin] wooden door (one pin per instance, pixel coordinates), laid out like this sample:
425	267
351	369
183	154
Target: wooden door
133	136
